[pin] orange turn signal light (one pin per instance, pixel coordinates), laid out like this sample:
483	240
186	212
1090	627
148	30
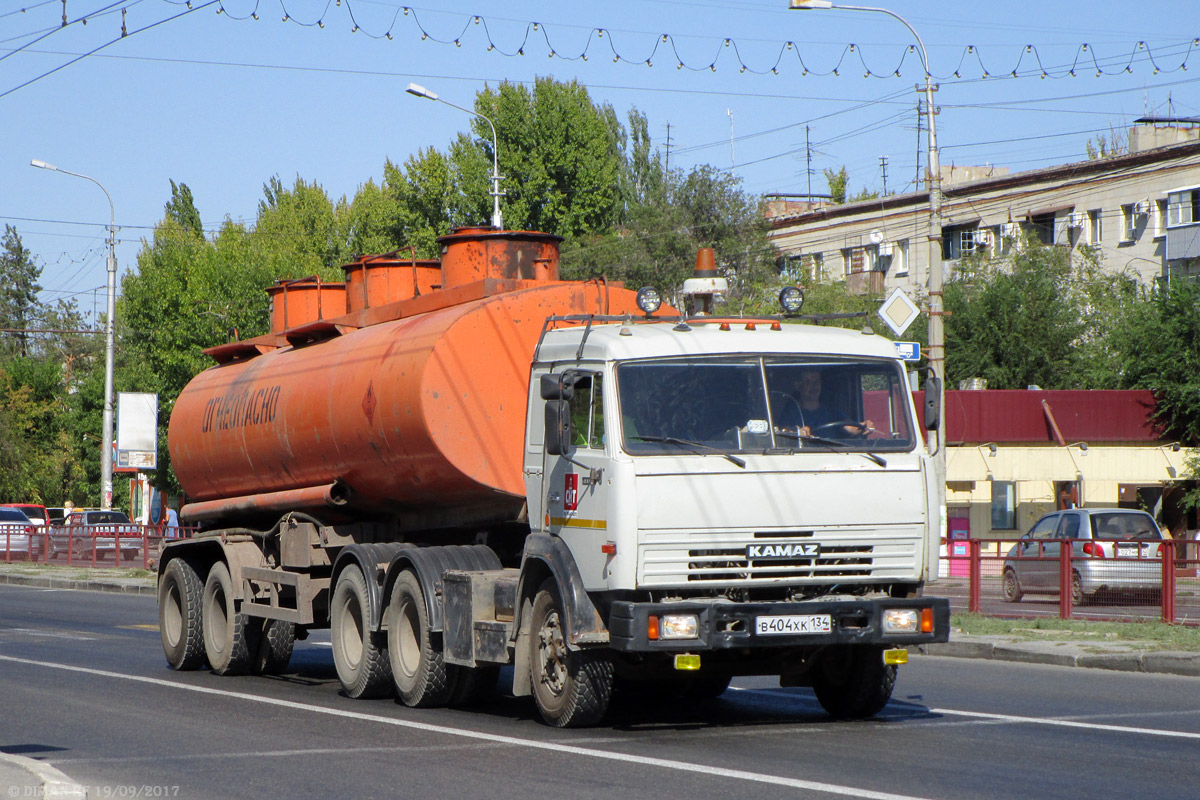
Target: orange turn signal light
652	628
609	548
927	620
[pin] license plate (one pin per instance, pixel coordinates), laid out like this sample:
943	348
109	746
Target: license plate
793	623
1127	550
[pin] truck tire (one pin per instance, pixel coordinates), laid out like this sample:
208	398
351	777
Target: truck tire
179	599
1011	587
359	653
275	643
572	687
229	637
418	670
852	682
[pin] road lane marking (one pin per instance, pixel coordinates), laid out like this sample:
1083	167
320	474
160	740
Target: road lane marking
1011	718
514	741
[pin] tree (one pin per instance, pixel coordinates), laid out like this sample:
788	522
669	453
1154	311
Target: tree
181	209
1023	320
19	288
560	154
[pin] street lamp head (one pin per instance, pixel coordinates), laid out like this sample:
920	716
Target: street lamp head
37	162
808	5
421	91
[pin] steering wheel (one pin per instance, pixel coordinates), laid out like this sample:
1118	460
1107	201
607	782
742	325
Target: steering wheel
842	424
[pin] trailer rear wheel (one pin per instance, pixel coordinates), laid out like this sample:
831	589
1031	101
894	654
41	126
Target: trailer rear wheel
274	647
852	682
229	636
418	670
359	653
179	598
572	687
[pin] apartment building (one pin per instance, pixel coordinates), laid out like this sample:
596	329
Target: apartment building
1140	211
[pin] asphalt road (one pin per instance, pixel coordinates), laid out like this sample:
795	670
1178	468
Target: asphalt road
86	690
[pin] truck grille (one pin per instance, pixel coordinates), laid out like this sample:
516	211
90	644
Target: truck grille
679	559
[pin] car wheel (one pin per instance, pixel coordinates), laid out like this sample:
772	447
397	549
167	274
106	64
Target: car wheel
1078	597
1011	587
418	669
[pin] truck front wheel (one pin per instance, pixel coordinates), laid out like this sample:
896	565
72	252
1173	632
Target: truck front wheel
572	687
359	653
852	682
229	637
417	667
179	597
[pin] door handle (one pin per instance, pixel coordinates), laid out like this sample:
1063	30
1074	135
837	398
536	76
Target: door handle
554	497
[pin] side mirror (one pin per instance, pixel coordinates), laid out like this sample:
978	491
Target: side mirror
933	402
558	425
557	386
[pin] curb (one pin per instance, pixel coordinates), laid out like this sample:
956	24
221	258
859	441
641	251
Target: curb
1157	662
118	586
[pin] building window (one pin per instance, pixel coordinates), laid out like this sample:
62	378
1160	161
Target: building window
900	258
855	260
1160	218
1004	505
1095	226
1043	226
960	241
791	267
1128	222
1183	207
816	266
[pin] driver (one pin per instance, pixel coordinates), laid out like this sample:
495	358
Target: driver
811	417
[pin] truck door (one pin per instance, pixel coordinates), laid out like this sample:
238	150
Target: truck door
575	502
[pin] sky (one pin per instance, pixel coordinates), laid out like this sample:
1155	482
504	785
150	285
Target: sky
223	95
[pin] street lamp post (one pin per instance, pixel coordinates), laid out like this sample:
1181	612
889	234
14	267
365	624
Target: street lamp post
106	448
497	219
936	335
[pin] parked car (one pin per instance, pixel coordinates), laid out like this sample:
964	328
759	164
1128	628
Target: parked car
1112	550
17	534
37	514
87	530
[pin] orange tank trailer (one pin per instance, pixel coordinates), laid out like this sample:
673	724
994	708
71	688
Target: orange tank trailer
424	411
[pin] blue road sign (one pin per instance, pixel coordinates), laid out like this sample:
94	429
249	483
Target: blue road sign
908	351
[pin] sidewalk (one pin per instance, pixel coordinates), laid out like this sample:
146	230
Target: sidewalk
1057	648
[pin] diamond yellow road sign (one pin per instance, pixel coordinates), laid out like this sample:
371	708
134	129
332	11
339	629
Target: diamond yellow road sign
898	311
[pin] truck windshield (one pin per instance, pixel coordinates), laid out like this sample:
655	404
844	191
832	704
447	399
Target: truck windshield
763	403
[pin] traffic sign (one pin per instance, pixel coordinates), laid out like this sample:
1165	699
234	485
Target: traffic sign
908	351
898	311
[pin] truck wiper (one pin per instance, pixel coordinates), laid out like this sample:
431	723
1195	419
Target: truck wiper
697	447
834	446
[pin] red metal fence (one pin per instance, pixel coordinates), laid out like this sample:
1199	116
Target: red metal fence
1072	579
111	545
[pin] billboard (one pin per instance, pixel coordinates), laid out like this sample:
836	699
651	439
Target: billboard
137	431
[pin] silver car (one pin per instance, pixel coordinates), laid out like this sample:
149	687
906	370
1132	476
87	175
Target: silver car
17	535
1112	550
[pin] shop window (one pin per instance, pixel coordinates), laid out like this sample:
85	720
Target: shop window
1004	505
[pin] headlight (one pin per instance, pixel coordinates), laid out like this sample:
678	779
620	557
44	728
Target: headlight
901	620
679	626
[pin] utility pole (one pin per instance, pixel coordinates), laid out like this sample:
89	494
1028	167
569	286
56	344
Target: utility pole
668	148
732	160
883	162
808	161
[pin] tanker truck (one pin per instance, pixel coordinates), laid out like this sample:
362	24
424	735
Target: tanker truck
465	464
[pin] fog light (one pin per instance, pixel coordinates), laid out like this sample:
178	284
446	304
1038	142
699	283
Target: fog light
687	661
895	657
648	299
900	620
679	626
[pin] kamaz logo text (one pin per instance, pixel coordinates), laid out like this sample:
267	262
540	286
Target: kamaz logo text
783	551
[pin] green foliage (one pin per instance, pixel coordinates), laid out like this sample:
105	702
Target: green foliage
19	274
560	155
1037	317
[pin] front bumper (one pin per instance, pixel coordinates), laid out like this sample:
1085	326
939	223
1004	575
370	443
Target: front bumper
725	625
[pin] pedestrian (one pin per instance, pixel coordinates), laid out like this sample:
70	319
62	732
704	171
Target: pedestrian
171	526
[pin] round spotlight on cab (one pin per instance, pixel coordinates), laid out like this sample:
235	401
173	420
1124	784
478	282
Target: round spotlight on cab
648	300
791	298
